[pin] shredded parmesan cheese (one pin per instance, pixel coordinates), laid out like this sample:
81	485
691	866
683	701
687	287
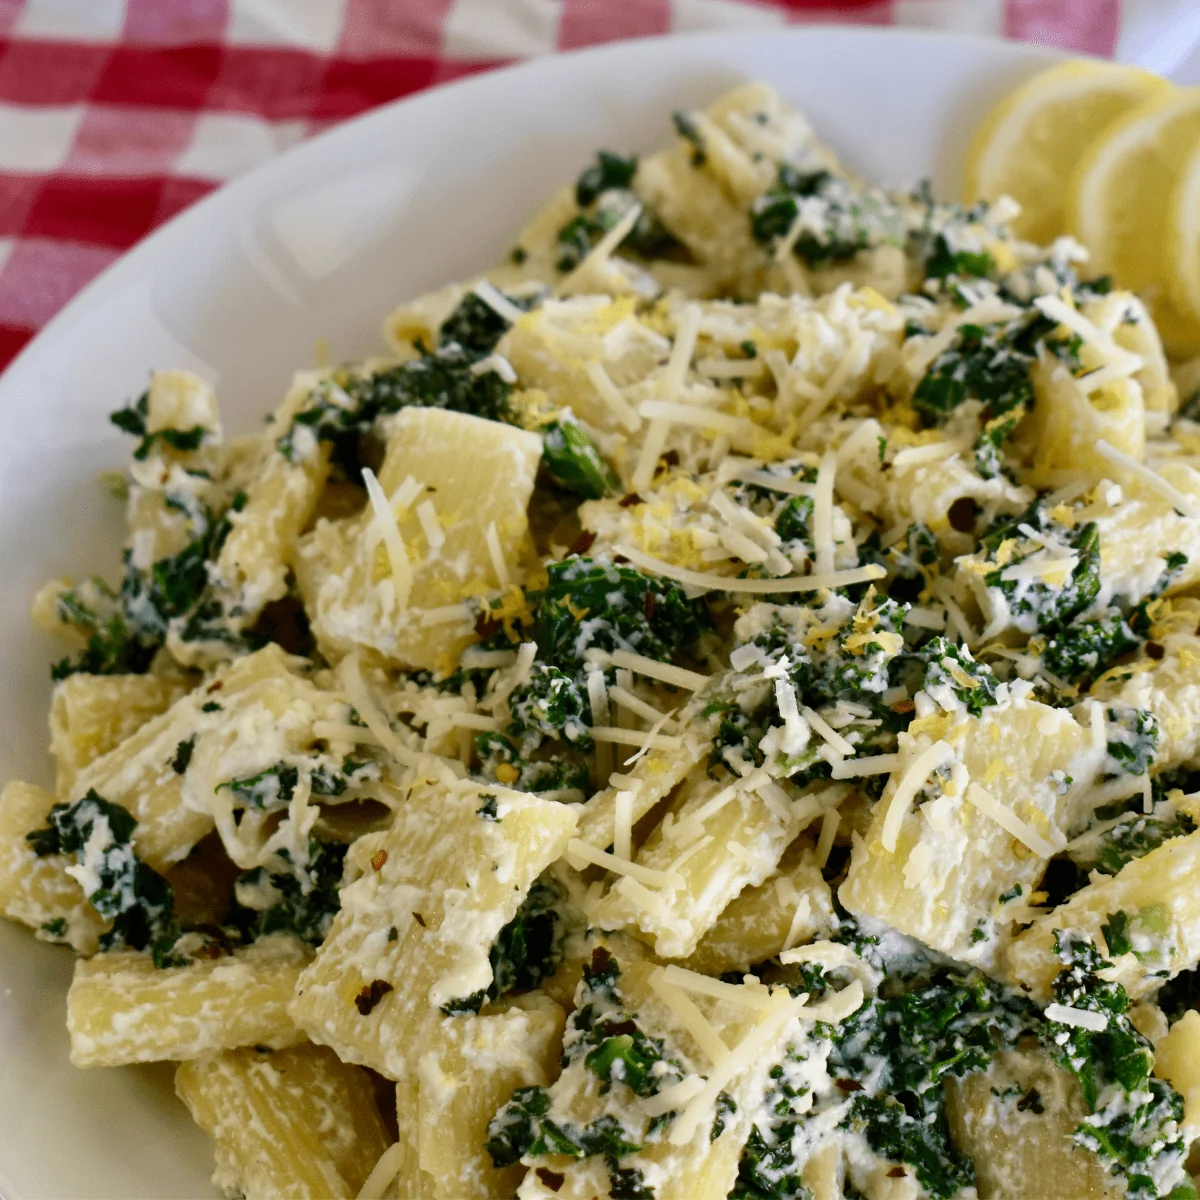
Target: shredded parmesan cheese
364	703
1010	822
831	735
829	828
876	764
612	397
1187	505
497	556
623	825
906	791
500	304
693	681
385	524
723	583
1081	1018
585	852
431	527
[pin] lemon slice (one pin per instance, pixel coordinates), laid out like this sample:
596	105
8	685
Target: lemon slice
1185	238
1030	143
1122	206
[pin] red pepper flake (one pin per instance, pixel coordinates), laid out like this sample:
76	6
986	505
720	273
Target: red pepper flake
485	625
420	920
583	543
849	1085
897	1173
552	1179
648	607
371	995
600	959
216	687
378	859
903	706
671	458
630	500
1155	650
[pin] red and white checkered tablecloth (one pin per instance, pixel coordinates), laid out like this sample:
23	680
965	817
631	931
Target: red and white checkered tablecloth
116	114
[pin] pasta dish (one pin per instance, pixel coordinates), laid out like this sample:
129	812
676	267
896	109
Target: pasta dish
713	711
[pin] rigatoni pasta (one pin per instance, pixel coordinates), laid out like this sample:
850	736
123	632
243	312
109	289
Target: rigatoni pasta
711	713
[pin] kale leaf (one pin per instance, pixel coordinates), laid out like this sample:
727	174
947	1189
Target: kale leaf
301	899
609	172
270	788
132	420
589	604
1134	1118
124	890
553	704
1083	650
475	327
951	668
573	461
529	947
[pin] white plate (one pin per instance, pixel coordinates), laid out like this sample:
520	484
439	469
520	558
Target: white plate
321	243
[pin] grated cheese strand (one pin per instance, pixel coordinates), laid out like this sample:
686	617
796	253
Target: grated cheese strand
822	518
691	1018
693	681
364	703
500	304
831	735
987	804
611	395
648	876
829	828
497	555
431	527
383	520
1152	479
751	1048
390	1164
747	995
876	764
623	825
724	583
906	791
1081	1018
641	739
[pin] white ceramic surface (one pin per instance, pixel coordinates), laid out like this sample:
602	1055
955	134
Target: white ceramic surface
319	244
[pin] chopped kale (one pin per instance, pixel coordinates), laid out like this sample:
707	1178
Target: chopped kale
270	788
343	409
943	262
475	327
952	1025
302	898
1083	650
589	604
114	645
1134	838
502	762
132	420
529	947
1054	607
849	221
183	755
951	668
488	810
551	703
1132	739
792	524
523	1128
686	127
128	893
1134	1118
725	1106
624	1056
1116	933
983	363
609	172
574	462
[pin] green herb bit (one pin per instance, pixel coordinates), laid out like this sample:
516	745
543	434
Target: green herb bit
609	172
951	667
134	898
133	418
270	789
303	897
574	462
1132	740
688	129
475	327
